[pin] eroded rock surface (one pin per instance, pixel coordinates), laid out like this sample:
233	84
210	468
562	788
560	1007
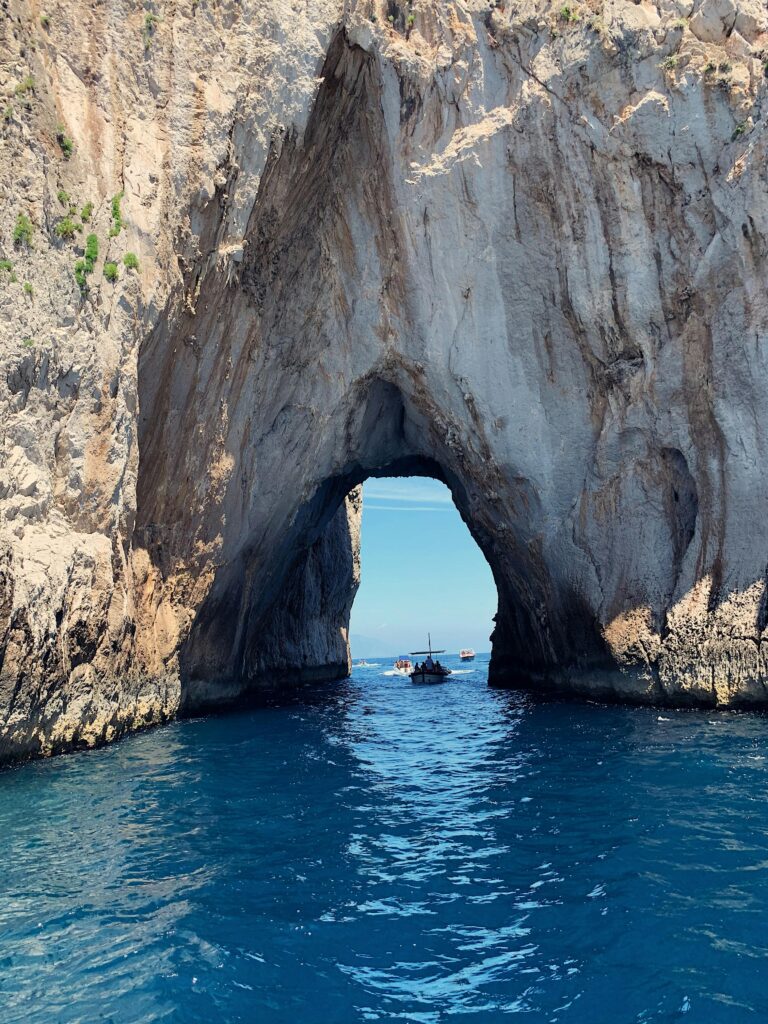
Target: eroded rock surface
517	245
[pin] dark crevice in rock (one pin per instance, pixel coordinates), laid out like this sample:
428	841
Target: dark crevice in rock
762	608
681	502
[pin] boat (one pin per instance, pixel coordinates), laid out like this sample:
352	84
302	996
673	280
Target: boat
362	664
404	666
467	654
429	671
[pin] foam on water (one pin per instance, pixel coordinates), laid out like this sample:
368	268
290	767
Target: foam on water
379	851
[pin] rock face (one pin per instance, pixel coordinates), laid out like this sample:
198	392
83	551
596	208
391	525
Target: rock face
517	246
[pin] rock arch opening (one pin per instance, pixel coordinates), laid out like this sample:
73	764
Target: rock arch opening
287	622
421	572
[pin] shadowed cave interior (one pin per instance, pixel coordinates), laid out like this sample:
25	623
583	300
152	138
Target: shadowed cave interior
318	577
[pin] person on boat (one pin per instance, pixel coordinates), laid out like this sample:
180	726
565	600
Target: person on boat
429	664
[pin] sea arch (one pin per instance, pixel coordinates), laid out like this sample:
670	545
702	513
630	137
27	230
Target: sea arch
262	569
376	319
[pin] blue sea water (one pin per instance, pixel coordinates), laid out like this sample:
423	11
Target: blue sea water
377	851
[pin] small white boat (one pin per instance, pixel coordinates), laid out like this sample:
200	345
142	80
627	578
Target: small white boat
467	654
430	670
362	664
404	666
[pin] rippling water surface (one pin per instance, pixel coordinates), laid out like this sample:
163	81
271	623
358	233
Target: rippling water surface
388	852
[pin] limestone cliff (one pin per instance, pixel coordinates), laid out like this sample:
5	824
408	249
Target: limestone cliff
254	252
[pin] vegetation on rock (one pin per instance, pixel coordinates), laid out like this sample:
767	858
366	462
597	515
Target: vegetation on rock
81	269
66	145
27	84
150	22
22	233
91	250
117	217
85	266
66	228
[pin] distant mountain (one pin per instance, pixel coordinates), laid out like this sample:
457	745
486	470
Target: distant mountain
368	646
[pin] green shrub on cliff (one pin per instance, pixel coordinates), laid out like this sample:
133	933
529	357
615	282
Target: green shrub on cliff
131	261
81	270
110	272
27	84
91	250
117	216
66	145
22	233
85	213
66	228
150	23
85	266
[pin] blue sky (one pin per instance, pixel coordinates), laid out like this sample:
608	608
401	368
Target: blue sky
421	571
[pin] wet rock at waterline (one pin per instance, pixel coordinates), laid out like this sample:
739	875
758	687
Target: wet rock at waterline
519	246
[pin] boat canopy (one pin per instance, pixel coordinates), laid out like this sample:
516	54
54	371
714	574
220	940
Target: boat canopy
430	652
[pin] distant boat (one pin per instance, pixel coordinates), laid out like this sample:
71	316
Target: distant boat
467	654
362	664
430	671
404	666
